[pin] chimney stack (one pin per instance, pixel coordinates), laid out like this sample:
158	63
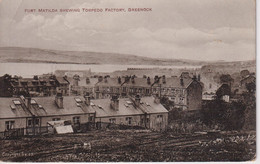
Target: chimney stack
194	77
181	81
148	80
87	80
199	77
76	79
119	80
164	79
105	79
100	78
157	99
28	102
133	79
115	103
137	100
87	99
59	100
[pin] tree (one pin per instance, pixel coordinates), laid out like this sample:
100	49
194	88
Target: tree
251	87
230	116
226	78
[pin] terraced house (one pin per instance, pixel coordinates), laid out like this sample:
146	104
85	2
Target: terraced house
36	86
184	91
36	114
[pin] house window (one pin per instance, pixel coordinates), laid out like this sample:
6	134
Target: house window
91	118
128	120
55	119
76	120
159	118
9	125
29	122
36	122
112	120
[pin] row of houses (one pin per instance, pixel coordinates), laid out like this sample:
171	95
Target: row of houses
184	91
39	86
34	113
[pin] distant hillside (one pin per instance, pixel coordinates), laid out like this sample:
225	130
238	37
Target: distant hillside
34	55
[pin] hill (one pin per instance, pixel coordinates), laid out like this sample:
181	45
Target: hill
35	55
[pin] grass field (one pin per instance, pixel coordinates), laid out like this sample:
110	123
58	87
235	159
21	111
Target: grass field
132	145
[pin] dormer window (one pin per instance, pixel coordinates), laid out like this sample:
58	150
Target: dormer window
33	102
78	100
12	107
17	102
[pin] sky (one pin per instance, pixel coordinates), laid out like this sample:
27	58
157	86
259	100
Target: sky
207	30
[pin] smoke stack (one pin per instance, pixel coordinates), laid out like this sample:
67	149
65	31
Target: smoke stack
87	99
157	99
59	100
137	100
115	103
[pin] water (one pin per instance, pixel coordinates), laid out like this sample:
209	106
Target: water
30	69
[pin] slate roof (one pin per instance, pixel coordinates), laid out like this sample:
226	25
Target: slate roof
110	82
7	112
93	82
50	108
174	82
138	82
148	105
101	107
61	80
18	83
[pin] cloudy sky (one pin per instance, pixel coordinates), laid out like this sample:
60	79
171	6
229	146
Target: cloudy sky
180	29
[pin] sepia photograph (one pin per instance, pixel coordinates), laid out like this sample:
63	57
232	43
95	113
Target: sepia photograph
127	80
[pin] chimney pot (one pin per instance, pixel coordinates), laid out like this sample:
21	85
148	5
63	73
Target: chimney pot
157	99
115	103
181	81
59	100
87	99
28	102
100	78
119	80
137	100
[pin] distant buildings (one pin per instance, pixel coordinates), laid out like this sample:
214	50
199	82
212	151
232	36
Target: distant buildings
185	92
39	86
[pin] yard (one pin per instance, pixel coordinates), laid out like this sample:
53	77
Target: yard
131	145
